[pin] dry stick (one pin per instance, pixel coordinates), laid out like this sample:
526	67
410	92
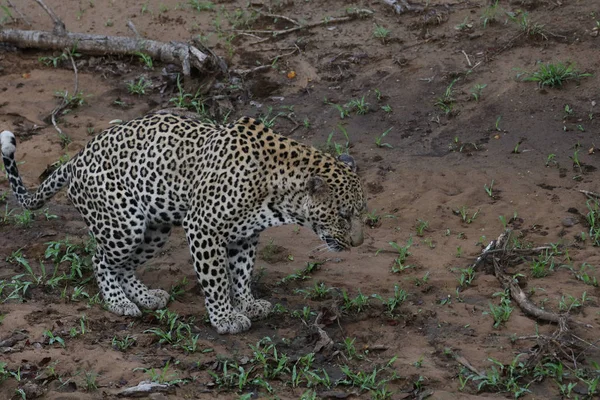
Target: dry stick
276	16
517	293
467	57
589	194
275	34
171	52
465	363
131	26
59	26
244	72
23	17
65	102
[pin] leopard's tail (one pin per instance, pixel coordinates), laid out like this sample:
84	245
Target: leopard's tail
59	178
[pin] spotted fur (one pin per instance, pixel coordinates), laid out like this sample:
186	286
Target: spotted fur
223	184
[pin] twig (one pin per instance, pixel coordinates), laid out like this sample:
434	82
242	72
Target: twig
467	57
276	16
332	20
465	363
244	72
23	17
131	26
65	101
589	194
59	26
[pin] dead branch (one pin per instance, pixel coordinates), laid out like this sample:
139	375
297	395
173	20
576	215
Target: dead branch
59	26
327	20
500	247
173	52
521	298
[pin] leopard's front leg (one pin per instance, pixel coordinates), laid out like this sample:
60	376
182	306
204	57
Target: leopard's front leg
241	255
209	253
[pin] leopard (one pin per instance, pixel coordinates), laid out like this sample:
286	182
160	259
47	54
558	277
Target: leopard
223	183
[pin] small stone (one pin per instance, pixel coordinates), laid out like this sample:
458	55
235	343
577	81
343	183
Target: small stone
569	221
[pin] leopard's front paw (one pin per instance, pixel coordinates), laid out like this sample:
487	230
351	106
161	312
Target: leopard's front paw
126	308
255	309
233	323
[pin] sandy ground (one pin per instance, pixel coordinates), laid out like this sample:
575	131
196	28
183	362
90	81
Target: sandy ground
533	148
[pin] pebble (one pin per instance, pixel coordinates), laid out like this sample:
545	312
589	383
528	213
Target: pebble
569	221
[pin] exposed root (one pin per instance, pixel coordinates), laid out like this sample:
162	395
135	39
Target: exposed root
502	255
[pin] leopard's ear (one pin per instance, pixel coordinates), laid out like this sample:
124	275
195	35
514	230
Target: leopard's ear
317	187
252	124
348	161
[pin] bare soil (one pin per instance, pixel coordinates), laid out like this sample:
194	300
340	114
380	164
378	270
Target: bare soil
517	135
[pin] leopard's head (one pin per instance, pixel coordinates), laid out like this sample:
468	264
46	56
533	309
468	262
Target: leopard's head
336	204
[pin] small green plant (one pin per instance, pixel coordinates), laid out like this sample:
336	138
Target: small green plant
337	148
501	313
542	265
359	105
490	13
24	219
381	33
202	5
421	226
465	215
422	281
502	378
392	303
351	349
354	304
318	291
583	275
550	160
90	381
476	91
386	108
466	277
503	221
123	344
446	101
145	59
379	138
403	253
489	189
139	87
555	75
497	123
54	339
302	274
525	24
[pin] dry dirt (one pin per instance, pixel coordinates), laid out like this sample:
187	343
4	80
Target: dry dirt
434	165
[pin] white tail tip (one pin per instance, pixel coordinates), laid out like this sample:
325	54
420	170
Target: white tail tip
8	143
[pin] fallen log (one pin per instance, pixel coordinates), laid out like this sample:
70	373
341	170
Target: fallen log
173	52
